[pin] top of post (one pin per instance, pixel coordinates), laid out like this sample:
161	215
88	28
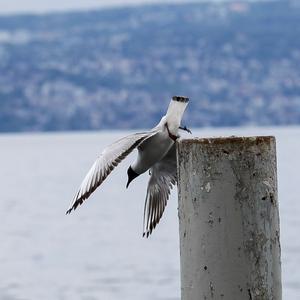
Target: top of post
251	140
230	144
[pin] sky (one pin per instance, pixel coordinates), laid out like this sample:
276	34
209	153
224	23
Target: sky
43	6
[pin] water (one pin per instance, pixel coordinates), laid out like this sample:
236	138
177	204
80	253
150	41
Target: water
97	252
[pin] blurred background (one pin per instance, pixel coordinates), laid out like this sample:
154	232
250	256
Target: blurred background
102	69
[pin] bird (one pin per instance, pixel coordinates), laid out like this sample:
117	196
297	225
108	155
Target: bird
156	154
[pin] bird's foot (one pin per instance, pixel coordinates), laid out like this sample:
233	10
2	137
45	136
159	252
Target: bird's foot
172	136
185	129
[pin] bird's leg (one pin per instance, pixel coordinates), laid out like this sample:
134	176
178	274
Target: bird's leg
172	136
185	129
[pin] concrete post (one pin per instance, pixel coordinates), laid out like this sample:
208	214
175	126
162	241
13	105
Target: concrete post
228	219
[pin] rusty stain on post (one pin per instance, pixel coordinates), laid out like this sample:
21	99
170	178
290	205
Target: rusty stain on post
229	219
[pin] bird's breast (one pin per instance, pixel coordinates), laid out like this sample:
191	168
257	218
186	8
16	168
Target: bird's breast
152	151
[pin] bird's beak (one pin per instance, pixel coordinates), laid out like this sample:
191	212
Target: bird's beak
131	175
128	182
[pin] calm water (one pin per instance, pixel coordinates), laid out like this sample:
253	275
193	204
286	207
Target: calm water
98	252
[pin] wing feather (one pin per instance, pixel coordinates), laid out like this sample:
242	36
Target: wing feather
163	177
110	157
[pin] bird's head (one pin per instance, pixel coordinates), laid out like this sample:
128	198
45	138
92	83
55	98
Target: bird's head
131	175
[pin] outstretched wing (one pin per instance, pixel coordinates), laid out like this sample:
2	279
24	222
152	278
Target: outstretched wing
110	157
163	177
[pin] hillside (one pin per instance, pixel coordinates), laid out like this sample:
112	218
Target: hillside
117	68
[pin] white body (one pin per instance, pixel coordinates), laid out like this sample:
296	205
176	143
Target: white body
153	149
156	151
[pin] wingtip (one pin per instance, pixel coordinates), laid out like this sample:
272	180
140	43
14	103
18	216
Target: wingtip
146	234
180	99
70	210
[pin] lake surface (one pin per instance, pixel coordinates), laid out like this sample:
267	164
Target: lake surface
98	251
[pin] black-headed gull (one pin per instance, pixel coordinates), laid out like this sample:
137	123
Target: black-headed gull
156	153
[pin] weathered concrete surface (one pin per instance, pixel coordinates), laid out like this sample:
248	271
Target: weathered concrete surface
229	221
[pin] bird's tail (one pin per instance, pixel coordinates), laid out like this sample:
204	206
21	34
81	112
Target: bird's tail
175	111
180	99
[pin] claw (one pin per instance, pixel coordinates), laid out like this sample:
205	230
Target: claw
185	129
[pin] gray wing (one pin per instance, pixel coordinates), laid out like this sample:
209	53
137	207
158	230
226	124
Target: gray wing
163	177
110	157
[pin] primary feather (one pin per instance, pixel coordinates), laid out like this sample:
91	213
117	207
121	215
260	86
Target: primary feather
163	178
110	157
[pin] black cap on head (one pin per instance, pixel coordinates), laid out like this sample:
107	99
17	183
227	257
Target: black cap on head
131	175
